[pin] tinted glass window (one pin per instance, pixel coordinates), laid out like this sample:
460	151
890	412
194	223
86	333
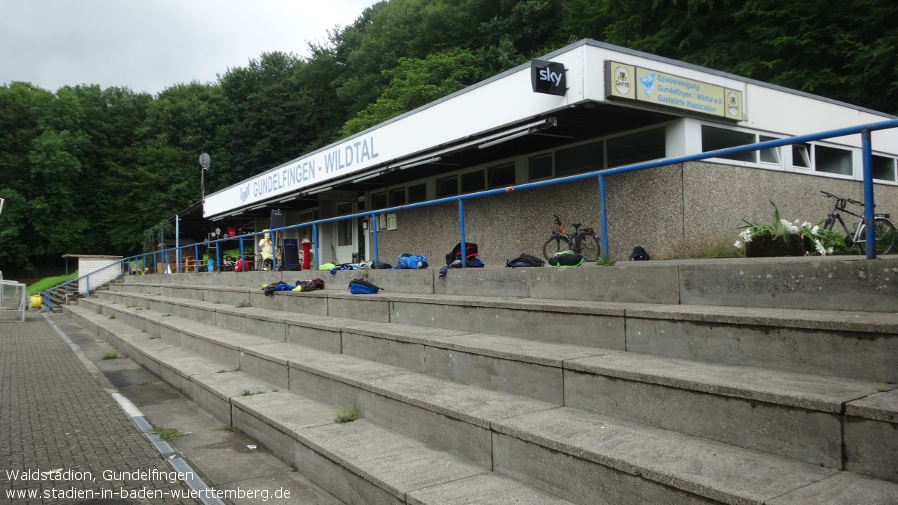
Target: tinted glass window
635	148
576	160
721	138
541	167
501	176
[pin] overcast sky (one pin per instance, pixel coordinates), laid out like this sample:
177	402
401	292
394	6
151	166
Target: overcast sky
150	45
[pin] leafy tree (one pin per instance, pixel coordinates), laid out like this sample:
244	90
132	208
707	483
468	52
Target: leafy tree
15	230
416	82
261	130
152	187
846	51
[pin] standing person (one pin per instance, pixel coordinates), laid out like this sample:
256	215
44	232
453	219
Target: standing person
265	248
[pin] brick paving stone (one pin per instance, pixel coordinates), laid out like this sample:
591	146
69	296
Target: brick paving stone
55	415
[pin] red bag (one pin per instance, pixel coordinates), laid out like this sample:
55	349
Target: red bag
240	265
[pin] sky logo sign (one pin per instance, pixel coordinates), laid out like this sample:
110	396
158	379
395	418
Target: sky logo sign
548	77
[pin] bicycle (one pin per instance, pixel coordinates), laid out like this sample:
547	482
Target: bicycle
883	228
584	242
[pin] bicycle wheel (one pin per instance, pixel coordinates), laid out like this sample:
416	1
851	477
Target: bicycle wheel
556	243
885	236
590	248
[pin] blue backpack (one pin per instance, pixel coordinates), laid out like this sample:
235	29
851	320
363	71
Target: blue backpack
363	287
411	261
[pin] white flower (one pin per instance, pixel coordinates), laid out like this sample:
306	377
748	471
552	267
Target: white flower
738	245
746	235
787	225
815	229
819	247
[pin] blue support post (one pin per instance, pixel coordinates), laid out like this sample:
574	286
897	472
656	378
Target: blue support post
178	252
274	251
461	232
87	283
374	234
867	154
603	217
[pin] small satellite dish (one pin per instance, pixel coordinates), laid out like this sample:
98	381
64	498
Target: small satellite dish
204	161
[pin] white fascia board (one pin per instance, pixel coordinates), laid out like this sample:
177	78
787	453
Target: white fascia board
505	100
789	114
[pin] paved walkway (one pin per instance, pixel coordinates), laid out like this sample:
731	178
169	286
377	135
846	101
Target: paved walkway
63	437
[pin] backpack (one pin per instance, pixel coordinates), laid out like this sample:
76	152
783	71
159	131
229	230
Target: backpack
269	289
525	260
470	252
565	259
240	265
639	254
363	287
410	261
309	285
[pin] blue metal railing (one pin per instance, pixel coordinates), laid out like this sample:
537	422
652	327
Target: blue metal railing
46	302
864	130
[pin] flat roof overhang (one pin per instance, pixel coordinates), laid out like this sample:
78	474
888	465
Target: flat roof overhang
572	125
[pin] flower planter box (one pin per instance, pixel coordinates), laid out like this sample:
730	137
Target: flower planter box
766	247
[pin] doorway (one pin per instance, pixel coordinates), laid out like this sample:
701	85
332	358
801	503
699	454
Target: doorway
346	233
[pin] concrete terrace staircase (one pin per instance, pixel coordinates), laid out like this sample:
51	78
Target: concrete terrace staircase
713	381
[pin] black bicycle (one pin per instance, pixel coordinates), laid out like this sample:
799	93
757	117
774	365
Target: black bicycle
883	228
584	242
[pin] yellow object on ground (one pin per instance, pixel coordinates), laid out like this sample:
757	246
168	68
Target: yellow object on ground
35	301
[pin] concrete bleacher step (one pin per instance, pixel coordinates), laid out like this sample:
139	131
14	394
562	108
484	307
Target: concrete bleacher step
417	405
795	415
359	462
860	345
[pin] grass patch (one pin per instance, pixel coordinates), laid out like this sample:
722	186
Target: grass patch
99	310
168	434
49	282
242	305
111	316
605	261
111	355
346	413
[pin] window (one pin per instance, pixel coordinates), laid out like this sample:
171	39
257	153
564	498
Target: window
832	160
541	167
884	168
472	182
447	186
417	193
379	200
721	138
801	155
771	154
501	176
637	147
397	197
579	159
